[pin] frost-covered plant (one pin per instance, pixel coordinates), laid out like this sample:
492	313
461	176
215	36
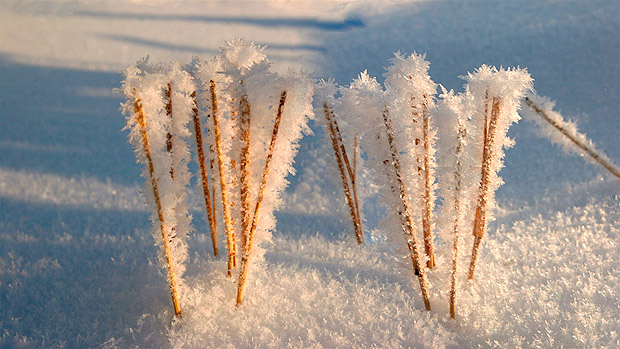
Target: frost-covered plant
254	121
456	176
397	134
257	118
410	94
158	110
363	105
496	98
563	133
325	95
208	189
213	83
281	108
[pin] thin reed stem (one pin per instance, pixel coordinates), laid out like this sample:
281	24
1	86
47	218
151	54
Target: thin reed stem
354	184
245	258
480	221
244	106
591	152
404	212
203	175
352	177
355	151
457	216
213	185
141	119
230	229
168	94
427	226
341	160
427	207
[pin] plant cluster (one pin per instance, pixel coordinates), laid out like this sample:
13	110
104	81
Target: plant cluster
404	128
246	122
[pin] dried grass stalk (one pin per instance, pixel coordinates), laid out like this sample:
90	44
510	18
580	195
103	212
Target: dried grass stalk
355	151
213	185
591	152
352	177
428	187
342	160
234	166
168	94
204	176
427	208
141	119
457	216
480	222
244	106
404	211
230	229
354	183
245	258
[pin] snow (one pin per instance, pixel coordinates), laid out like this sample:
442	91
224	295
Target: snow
79	267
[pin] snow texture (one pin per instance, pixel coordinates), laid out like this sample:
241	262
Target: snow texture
78	266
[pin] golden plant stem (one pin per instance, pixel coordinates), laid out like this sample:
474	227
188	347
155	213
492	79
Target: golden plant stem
592	153
480	221
427	206
141	119
234	169
352	176
230	229
245	258
457	217
213	186
340	153
354	184
355	149
203	175
244	105
405	212
428	202
168	93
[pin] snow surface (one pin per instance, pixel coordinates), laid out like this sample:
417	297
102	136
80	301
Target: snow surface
79	268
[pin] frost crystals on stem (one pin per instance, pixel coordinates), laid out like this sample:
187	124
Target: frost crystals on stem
230	230
158	110
500	93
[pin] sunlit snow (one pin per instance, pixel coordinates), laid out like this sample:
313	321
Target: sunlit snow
80	268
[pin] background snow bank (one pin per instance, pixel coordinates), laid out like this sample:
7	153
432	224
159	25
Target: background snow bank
78	266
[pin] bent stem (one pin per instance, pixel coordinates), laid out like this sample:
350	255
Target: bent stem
591	152
341	160
141	119
204	176
245	258
230	230
404	212
480	221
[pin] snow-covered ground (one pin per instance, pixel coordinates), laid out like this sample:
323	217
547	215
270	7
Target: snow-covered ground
78	265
